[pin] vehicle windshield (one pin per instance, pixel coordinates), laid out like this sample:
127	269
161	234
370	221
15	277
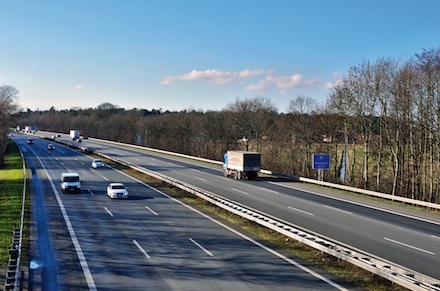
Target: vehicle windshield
71	179
118	187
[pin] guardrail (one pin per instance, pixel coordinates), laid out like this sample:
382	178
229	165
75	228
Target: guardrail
12	281
428	205
395	273
301	179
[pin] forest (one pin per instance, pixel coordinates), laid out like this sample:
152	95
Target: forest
380	124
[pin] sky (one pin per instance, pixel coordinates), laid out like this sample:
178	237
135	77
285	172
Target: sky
199	54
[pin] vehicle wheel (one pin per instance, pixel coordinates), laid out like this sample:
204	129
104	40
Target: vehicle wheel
225	173
235	175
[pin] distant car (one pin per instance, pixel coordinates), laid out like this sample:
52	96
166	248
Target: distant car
50	147
117	190
85	149
30	141
97	163
54	136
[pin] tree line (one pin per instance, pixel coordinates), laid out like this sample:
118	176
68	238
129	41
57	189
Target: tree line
380	124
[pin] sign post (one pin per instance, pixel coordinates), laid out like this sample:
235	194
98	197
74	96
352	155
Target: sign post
321	162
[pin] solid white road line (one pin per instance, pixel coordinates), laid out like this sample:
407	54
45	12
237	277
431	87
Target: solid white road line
81	257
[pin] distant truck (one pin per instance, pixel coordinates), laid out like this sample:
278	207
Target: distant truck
74	134
241	164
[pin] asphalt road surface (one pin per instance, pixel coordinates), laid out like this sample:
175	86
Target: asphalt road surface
150	241
406	237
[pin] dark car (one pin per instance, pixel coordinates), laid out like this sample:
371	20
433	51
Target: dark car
50	147
30	141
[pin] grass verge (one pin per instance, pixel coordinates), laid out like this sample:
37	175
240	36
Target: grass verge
11	194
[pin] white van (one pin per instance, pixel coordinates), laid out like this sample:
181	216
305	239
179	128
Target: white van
70	182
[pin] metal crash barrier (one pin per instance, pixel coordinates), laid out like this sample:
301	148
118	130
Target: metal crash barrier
12	273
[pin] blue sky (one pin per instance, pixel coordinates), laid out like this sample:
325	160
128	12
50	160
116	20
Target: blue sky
199	54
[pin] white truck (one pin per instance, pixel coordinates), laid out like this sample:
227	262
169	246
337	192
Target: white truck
74	134
70	182
241	164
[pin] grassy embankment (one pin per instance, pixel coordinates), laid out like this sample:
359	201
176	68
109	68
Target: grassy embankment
11	194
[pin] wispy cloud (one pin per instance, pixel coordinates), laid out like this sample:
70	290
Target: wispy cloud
78	87
263	79
213	76
338	79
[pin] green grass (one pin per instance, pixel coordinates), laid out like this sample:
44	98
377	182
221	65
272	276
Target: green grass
11	194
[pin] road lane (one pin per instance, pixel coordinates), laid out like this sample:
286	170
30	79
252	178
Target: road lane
365	229
148	240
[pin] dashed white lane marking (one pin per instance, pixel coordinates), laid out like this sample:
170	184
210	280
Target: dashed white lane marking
151	210
108	211
201	247
299	210
337	209
409	246
239	191
141	249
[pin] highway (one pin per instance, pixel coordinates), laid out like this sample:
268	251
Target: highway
150	241
400	235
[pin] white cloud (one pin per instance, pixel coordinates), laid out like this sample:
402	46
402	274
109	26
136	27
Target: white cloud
267	79
338	79
331	85
282	82
78	87
167	80
213	76
252	73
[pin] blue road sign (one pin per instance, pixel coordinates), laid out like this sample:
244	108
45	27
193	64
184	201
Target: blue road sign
321	161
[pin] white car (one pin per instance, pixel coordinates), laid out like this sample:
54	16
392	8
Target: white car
50	147
117	190
97	163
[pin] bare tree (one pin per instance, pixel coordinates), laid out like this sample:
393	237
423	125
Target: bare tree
252	119
301	111
8	94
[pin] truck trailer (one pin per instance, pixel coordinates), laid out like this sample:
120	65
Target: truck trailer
74	134
241	164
